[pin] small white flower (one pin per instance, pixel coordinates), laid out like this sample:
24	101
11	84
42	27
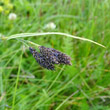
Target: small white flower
12	16
50	25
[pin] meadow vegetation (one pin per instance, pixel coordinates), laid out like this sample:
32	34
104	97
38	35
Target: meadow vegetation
25	85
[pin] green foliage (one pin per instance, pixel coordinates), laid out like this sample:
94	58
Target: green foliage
85	85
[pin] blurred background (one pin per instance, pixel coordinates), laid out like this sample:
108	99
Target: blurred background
85	85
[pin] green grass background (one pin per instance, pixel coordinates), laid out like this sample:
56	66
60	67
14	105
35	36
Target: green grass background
83	86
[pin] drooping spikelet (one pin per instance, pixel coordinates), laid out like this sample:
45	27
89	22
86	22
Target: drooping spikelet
47	52
42	60
55	56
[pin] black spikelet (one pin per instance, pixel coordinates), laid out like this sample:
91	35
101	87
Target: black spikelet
42	60
47	52
64	59
55	56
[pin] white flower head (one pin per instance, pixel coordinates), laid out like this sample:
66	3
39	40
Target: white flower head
50	25
12	16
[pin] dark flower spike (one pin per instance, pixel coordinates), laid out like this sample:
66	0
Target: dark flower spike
47	52
55	56
42	60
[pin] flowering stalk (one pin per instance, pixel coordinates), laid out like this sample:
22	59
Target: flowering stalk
49	56
43	61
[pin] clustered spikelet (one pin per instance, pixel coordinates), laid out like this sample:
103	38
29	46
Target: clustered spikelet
41	59
49	56
55	56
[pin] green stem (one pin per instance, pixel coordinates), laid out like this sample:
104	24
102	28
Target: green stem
23	35
17	80
33	43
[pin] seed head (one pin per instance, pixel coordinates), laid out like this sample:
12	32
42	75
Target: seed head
55	56
47	52
42	60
